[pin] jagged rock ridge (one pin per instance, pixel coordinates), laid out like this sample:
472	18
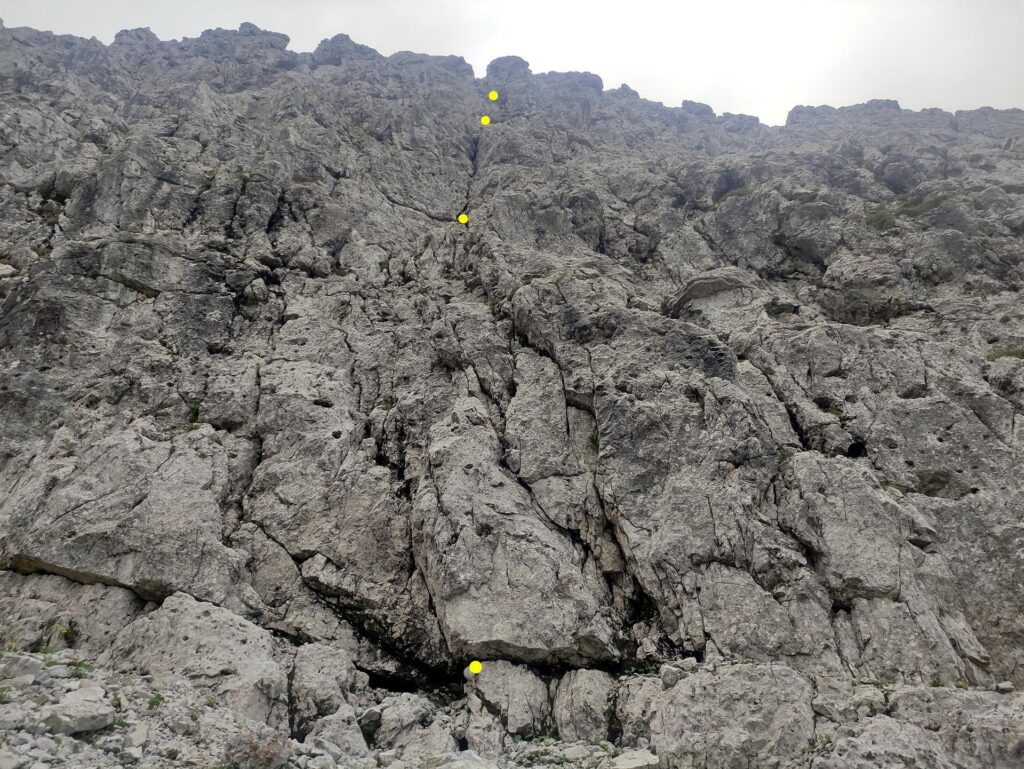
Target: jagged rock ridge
689	395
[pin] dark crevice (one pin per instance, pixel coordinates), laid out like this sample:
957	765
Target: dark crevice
841	603
292	705
404	488
802	255
440	687
795	424
856	449
27	565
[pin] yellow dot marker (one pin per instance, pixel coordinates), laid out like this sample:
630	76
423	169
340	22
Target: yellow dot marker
475	667
463	218
493	96
485	120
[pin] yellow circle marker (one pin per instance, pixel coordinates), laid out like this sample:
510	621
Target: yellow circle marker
463	218
475	667
493	96
485	120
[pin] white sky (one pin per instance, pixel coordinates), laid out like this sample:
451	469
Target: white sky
759	57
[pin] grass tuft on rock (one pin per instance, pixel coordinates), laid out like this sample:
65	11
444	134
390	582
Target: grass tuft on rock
1005	352
883	219
919	206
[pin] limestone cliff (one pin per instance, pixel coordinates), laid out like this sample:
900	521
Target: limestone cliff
700	435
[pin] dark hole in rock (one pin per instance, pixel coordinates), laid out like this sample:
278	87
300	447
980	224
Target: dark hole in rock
856	449
916	390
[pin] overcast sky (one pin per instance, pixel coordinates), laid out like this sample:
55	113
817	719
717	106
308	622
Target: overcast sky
759	57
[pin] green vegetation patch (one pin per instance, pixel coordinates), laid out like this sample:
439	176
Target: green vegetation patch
81	669
1005	352
883	219
919	206
50	212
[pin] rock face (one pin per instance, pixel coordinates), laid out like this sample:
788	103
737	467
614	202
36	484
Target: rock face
214	649
687	394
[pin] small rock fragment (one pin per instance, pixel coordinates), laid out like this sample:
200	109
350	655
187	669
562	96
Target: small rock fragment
635	759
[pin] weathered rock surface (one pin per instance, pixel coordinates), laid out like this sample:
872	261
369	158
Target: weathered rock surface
688	395
582	705
217	650
83	710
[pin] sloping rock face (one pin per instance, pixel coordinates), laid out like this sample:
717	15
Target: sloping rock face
685	389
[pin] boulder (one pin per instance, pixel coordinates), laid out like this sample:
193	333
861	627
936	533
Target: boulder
582	705
236	661
82	710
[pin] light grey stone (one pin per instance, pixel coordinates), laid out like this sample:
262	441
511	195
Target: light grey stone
582	705
9	760
882	741
321	677
136	736
670	675
635	759
341	730
467	759
15	665
217	650
740	713
83	710
519	697
259	749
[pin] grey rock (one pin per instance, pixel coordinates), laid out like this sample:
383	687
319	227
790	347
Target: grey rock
9	760
517	695
634	704
670	675
582	706
412	726
13	717
219	651
467	760
881	741
740	713
15	665
137	736
321	677
341	730
83	710
686	387
975	728
635	759
263	749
